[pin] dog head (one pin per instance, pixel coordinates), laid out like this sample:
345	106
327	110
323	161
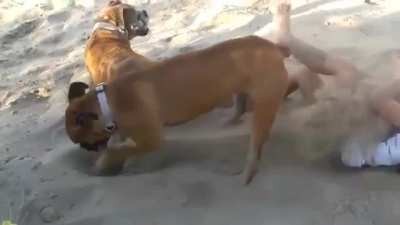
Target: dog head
133	22
82	120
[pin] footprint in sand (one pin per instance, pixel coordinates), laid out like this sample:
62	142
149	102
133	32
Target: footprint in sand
198	194
343	21
20	31
58	17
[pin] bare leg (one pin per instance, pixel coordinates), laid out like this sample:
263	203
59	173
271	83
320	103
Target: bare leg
317	61
386	100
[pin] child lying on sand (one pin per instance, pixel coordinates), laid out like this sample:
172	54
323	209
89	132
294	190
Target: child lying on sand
317	62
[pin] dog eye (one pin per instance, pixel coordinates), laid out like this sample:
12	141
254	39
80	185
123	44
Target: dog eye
142	16
144	13
82	118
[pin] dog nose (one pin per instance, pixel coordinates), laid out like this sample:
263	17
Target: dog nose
145	31
144	13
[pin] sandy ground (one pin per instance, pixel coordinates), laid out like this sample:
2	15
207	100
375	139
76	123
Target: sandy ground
44	177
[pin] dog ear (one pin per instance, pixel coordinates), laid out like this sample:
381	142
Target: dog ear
114	2
76	89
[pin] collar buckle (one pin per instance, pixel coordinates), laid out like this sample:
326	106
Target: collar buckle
110	128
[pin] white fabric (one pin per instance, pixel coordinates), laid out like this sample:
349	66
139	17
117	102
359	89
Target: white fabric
388	152
352	155
385	154
395	152
109	27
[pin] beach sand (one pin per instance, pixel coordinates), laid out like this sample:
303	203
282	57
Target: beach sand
44	178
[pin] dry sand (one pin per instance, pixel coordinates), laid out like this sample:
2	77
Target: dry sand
44	177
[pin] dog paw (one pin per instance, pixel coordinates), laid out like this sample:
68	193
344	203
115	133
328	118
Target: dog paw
248	174
106	171
104	167
232	122
228	170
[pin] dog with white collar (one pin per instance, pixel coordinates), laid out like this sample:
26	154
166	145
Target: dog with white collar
136	105
108	52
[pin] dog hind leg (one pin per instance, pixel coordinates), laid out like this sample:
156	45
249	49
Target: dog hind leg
266	102
240	107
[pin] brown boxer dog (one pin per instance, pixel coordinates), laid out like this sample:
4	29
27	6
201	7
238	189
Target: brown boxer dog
108	51
175	91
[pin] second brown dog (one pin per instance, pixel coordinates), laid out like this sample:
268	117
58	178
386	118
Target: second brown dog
108	51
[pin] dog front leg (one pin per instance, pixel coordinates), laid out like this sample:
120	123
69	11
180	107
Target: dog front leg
116	141
138	138
112	160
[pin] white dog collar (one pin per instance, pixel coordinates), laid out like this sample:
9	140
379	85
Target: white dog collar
108	26
110	125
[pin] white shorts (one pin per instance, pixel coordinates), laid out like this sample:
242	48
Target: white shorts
356	153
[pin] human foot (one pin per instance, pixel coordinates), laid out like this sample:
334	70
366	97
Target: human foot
281	21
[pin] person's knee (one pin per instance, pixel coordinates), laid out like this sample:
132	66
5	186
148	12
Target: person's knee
352	160
346	73
353	156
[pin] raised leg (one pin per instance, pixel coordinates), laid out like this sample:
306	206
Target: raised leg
317	61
